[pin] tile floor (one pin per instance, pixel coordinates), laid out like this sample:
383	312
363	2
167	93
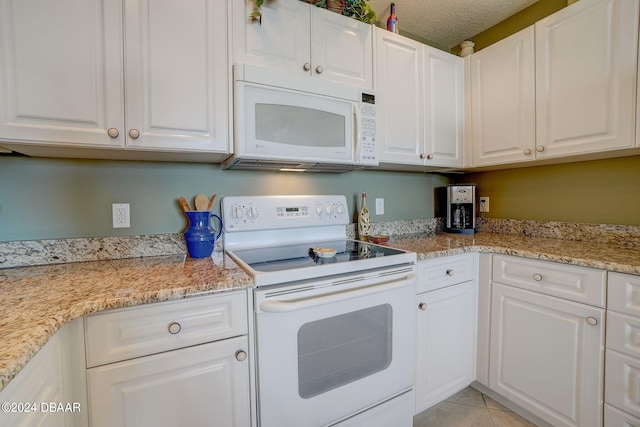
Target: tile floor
469	408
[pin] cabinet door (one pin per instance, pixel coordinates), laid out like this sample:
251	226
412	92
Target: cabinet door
400	107
546	357
204	385
503	101
61	72
281	40
443	105
341	48
177	77
585	70
446	343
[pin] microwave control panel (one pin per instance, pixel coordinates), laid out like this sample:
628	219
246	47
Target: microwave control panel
367	149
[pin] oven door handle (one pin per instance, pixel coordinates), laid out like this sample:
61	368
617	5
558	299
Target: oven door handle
275	306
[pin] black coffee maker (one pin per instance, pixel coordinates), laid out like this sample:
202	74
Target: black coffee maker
461	209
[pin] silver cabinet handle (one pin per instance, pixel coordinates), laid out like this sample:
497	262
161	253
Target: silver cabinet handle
422	306
449	273
241	355
540	148
526	151
319	69
134	133
537	277
591	321
306	66
113	132
174	328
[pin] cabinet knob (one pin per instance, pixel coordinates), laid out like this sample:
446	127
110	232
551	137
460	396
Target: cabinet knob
113	132
537	277
174	328
134	133
429	156
241	355
423	156
422	306
540	148
306	66
526	151
449	273
591	321
319	69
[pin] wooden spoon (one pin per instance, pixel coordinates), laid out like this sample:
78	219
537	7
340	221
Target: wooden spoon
202	202
184	204
213	199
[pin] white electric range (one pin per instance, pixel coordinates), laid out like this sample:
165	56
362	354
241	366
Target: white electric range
334	334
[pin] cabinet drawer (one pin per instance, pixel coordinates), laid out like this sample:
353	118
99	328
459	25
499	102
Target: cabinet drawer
138	331
580	284
614	417
624	293
623	333
447	271
622	382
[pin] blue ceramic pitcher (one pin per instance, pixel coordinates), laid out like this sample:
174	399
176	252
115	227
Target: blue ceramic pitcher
200	237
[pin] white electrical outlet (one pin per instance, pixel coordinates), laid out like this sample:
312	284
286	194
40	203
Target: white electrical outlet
120	215
484	204
379	206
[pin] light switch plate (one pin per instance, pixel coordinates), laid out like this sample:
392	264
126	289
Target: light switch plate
380	206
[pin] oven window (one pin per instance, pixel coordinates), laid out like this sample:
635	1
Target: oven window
292	125
338	350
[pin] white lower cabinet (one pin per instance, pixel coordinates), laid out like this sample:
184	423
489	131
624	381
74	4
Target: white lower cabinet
195	371
547	352
49	390
446	341
204	385
622	375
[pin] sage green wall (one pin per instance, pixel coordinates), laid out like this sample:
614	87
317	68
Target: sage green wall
58	198
599	191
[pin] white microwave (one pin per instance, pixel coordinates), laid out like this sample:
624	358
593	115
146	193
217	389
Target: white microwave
284	121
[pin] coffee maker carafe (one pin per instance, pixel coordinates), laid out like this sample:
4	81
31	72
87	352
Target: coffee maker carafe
461	209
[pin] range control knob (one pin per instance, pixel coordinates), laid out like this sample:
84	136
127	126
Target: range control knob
252	212
319	209
236	212
340	209
328	209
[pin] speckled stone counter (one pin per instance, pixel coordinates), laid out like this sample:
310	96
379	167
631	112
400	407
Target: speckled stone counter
36	301
603	256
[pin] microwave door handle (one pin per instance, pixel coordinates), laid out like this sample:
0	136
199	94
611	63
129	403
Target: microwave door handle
356	144
275	306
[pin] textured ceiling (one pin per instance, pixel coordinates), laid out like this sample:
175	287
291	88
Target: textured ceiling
446	23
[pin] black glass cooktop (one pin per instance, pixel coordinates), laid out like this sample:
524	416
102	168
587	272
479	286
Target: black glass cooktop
290	257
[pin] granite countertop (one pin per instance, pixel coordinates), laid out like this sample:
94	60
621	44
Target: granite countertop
36	301
605	256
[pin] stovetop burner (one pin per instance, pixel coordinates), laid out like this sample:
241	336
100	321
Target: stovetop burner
291	257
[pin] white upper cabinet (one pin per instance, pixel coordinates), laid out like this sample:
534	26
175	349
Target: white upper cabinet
177	75
503	101
443	106
65	68
400	107
61	72
420	103
302	38
585	78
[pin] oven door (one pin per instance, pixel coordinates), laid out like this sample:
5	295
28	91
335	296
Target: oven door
330	349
